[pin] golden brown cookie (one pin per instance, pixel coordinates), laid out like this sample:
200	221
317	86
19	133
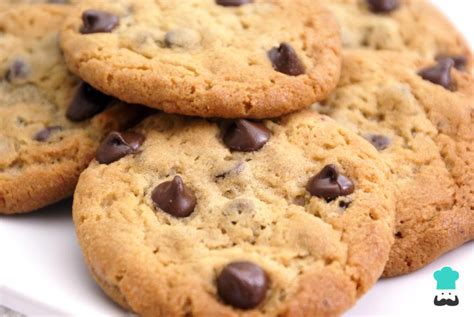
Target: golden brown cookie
400	25
50	122
188	217
263	58
419	114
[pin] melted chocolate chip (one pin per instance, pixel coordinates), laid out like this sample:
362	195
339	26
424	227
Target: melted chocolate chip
174	198
460	61
439	74
87	103
59	1
18	70
285	60
245	136
44	134
117	145
242	285
95	21
330	184
383	6
233	3
380	142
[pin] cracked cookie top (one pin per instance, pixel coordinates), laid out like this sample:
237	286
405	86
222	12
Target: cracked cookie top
50	122
228	59
184	216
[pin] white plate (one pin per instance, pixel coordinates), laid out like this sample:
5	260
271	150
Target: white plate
42	273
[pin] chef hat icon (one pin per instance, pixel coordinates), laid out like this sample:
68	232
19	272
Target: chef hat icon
446	278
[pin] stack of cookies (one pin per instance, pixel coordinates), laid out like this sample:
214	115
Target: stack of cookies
240	157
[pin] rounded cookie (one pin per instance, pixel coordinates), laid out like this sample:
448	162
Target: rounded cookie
419	114
228	59
42	151
288	217
400	25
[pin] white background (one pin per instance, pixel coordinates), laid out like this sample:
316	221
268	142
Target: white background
42	273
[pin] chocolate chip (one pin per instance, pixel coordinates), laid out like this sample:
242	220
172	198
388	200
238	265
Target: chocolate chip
245	136
95	21
44	134
117	145
460	61
330	184
285	60
439	74
19	69
174	198
344	204
383	6
242	285
87	103
183	38
233	3
380	142
59	1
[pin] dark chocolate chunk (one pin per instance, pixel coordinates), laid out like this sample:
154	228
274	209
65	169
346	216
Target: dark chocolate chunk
19	69
383	6
380	142
174	198
344	204
439	74
245	136
285	60
87	103
117	145
242	285
460	61
95	21
233	3
44	134
330	184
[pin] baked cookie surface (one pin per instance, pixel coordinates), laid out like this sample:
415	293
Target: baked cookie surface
41	151
296	220
419	114
399	25
262	58
7	4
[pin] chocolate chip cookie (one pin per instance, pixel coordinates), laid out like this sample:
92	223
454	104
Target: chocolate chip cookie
50	122
228	59
7	4
400	25
419	115
188	217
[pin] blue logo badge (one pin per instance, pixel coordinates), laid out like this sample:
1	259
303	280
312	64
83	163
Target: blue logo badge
446	287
